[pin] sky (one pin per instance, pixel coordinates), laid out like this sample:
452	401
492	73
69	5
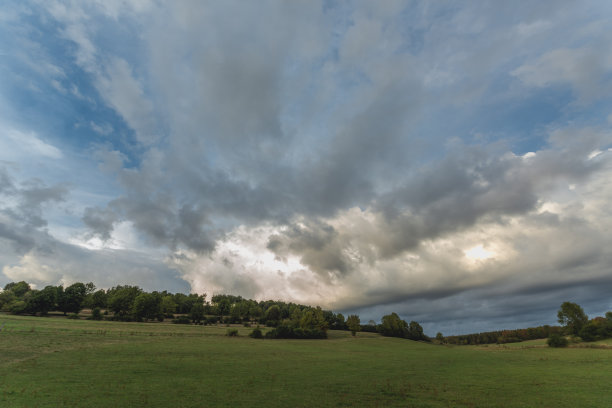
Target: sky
448	161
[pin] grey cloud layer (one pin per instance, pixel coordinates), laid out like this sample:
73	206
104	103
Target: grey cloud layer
348	137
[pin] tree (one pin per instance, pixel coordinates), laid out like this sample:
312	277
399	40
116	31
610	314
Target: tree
98	299
354	324
168	306
6	298
273	315
224	307
338	322
70	300
393	326
572	317
197	312
42	301
590	331
415	332
121	299
19	289
146	306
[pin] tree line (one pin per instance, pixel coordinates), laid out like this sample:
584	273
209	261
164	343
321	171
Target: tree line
575	326
578	327
131	303
501	336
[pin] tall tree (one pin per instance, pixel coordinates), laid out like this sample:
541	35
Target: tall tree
70	300
572	317
121	299
18	288
393	326
354	324
415	331
146	306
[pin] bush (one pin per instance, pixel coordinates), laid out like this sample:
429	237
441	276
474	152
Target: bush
272	323
73	316
288	332
181	320
590	332
556	340
247	324
96	314
232	332
256	333
17	307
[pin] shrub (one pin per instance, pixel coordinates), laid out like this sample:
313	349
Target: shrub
73	316
272	323
256	333
247	324
232	332
96	314
17	307
181	320
590	332
556	340
288	332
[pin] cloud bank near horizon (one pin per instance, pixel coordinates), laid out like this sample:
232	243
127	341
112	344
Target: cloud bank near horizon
447	163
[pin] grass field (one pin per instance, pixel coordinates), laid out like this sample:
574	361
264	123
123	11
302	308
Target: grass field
55	362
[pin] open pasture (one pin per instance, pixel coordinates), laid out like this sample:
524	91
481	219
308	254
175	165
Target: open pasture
56	362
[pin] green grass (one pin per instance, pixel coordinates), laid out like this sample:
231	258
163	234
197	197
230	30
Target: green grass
55	362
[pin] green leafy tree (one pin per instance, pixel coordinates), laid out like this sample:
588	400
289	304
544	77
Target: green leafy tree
354	324
590	331
572	317
146	306
70	300
42	301
223	307
121	299
273	314
255	311
313	318
168	306
415	332
6	298
99	299
393	326
197	312
18	288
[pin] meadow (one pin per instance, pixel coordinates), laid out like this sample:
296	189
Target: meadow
56	362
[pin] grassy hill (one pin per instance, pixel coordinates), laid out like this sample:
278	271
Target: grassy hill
55	362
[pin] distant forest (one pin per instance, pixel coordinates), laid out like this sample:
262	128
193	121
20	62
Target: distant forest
287	320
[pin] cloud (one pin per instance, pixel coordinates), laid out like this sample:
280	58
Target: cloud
29	142
104	129
584	69
347	155
22	220
125	94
